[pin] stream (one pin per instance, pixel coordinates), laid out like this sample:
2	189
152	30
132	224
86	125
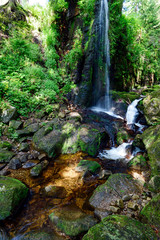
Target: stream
62	172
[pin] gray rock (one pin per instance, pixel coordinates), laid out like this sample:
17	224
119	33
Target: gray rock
8	114
15	124
74	116
132	205
104	174
116	187
24	147
71	220
37	170
15	163
55	191
31	129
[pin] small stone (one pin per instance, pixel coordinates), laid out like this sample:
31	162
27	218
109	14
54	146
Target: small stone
135	197
14	164
8	114
61	115
132	205
15	124
112	203
29	164
75	116
126	198
55	191
114	209
104	174
149	199
42	156
120	203
23	158
24	147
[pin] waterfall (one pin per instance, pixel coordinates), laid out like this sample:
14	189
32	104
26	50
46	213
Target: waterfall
102	60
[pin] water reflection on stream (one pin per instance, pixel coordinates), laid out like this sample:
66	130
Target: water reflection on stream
60	172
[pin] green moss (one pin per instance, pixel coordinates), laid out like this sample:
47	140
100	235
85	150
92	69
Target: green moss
12	192
91	166
6	145
119	227
151	212
5	156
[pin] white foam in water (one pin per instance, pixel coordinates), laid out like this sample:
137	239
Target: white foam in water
132	112
99	109
116	153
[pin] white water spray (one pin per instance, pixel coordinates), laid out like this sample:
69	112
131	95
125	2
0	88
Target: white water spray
132	112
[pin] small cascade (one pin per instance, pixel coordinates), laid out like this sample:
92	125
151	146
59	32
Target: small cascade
132	112
123	151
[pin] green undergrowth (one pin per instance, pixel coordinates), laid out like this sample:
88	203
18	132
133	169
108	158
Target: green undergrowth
30	76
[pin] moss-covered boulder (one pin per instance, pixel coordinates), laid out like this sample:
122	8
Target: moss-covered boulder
41	235
71	220
116	187
151	212
5	156
29	130
151	140
86	165
37	170
12	193
49	138
15	124
120	228
122	136
152	107
90	139
154	184
138	163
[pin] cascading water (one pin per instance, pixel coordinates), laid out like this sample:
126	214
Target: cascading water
102	60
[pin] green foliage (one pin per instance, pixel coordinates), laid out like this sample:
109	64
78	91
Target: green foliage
86	10
134	41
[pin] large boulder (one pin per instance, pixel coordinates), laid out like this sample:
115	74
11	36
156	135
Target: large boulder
71	220
90	139
152	107
120	228
68	137
151	212
113	190
151	140
12	193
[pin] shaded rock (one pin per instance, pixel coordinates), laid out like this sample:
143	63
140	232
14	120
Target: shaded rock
71	220
127	197
114	209
15	163
41	235
151	212
2	165
15	124
49	141
120	228
137	142
151	140
37	170
61	114
42	156
154	184
23	158
116	187
8	114
90	139
5	156
132	205
138	163
104	174
55	191
32	128
86	165
122	136
152	107
12	193
24	147
3	234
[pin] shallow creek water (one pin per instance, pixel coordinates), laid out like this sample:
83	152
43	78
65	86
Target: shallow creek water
60	172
